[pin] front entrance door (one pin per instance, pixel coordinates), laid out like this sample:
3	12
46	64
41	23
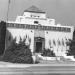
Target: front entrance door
39	44
38	47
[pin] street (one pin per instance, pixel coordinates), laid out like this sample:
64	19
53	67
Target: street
36	69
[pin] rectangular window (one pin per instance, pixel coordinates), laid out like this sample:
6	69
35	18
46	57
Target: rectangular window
36	22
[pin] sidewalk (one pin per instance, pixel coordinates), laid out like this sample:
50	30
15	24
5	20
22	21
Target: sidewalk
45	63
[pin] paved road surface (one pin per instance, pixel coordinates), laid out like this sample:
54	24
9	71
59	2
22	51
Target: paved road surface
36	69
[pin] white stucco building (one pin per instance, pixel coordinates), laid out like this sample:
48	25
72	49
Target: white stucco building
40	32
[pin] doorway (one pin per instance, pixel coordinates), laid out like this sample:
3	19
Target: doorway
38	47
39	44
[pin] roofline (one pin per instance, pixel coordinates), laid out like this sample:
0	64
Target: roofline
9	22
34	11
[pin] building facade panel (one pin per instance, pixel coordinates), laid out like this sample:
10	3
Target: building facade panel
21	33
40	32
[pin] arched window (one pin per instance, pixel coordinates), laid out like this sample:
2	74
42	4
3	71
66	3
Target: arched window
63	42
59	43
54	42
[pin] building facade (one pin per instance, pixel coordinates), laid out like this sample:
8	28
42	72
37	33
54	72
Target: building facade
39	31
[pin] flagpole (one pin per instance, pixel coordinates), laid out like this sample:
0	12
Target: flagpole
8	10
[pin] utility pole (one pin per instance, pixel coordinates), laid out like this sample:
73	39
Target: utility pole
8	10
6	22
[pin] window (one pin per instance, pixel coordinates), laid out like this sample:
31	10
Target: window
31	16
38	16
54	42
59	43
36	22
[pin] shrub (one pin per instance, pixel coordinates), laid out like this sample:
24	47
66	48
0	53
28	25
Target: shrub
48	52
71	51
18	53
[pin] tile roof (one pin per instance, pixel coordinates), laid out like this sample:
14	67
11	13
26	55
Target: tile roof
34	9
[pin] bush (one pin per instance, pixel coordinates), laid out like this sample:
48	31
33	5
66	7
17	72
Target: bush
18	53
71	51
48	52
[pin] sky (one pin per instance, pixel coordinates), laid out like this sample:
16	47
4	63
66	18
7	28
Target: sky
63	11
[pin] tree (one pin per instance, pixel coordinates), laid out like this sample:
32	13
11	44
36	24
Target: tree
71	50
18	53
2	36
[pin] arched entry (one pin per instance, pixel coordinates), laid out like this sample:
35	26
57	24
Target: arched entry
39	44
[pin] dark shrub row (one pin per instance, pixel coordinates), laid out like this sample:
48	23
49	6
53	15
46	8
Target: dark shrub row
18	53
48	52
